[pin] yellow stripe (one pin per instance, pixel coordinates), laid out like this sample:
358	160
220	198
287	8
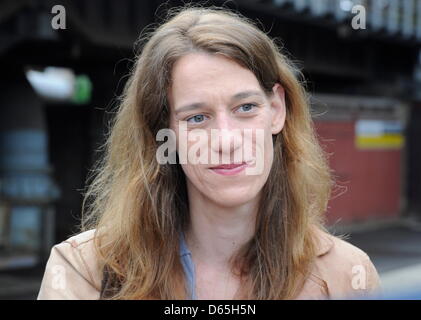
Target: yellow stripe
390	141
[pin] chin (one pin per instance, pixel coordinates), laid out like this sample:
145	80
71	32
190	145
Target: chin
233	198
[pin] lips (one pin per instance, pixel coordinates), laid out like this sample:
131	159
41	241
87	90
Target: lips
229	169
229	166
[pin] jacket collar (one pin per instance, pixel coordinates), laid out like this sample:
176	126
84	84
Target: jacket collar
325	242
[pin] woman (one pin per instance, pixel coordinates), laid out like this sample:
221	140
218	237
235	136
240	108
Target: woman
205	229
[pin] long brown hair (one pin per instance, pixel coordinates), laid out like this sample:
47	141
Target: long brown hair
141	206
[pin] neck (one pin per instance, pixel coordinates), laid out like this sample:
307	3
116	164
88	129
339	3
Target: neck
215	232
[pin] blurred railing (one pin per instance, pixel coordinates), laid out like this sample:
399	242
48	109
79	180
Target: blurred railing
119	22
395	17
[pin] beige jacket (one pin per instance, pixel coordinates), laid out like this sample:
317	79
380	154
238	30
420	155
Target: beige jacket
341	271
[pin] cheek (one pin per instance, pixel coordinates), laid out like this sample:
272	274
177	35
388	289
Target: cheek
268	142
269	147
263	147
198	177
263	150
191	171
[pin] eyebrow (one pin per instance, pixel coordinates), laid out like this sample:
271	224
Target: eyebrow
237	96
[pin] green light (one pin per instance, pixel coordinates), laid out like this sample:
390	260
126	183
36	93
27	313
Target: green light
82	90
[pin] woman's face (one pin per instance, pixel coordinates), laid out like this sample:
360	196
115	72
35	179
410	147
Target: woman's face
223	123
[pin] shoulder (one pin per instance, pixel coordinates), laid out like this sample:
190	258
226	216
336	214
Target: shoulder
72	270
344	249
79	250
345	270
80	239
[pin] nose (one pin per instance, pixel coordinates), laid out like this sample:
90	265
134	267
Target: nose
226	139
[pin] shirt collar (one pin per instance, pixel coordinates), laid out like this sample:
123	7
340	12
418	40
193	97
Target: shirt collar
184	250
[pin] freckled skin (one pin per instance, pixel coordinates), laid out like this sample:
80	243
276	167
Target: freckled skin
213	79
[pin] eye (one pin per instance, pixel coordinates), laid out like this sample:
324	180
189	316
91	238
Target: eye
247	107
196	119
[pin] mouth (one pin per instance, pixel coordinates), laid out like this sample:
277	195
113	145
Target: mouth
229	169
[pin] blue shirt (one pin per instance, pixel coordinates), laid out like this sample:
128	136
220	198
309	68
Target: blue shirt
187	262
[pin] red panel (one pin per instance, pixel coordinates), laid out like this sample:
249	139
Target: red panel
371	177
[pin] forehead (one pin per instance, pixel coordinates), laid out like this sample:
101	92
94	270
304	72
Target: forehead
201	75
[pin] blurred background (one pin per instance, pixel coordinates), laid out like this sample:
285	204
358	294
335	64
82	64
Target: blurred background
62	68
